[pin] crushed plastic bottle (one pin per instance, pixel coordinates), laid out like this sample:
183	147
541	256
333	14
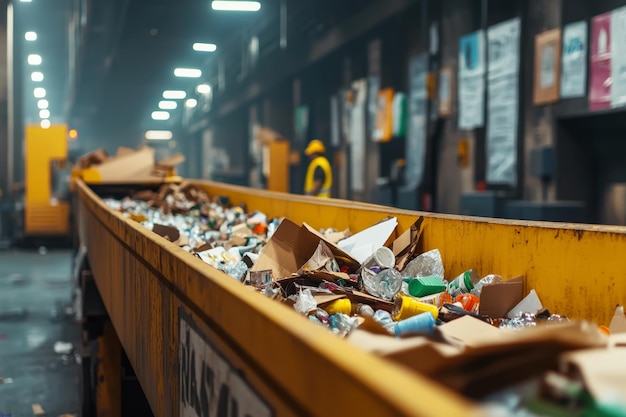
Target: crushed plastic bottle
464	283
384	318
364	310
342	324
305	302
237	271
488	280
425	265
386	284
520	321
557	318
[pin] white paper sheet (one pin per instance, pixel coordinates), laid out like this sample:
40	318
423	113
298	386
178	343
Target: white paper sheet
503	94
574	60
361	245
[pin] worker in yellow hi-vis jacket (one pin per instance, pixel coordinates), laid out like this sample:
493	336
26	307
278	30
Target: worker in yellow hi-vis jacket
319	175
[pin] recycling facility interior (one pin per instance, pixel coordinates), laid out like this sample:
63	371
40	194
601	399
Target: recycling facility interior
501	109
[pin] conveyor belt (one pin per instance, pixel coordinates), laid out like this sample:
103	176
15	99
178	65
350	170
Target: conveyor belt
165	303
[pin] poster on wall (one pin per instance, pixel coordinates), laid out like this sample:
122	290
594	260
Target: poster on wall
547	67
358	134
472	80
600	63
373	87
618	58
574	60
503	94
418	113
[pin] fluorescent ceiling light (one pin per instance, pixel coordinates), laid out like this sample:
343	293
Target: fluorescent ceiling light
160	115
37	76
188	72
168	105
203	89
42	104
174	94
191	103
44	114
204	47
40	92
45	123
25	1
159	135
34	59
30	36
237	6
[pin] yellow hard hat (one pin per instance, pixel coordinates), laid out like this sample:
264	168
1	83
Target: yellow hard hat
315	146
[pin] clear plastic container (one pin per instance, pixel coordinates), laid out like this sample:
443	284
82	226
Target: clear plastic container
386	284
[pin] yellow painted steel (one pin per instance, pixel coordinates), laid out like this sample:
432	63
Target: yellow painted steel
146	282
43	215
278	179
299	368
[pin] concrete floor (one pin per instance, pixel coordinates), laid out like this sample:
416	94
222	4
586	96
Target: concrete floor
35	290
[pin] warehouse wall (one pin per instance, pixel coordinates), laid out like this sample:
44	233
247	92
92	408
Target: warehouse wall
459	17
6	167
582	148
538	121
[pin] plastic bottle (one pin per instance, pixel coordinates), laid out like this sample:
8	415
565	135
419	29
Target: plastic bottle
438	300
382	257
425	265
363	310
464	283
469	302
488	280
389	283
385	284
405	307
423	286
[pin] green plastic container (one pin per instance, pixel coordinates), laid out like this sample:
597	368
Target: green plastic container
423	286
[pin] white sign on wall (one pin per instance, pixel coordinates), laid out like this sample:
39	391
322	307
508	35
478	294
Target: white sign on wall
574	60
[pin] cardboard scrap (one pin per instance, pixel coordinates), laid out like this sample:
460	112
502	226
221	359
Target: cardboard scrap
496	300
335	237
168	232
38	410
292	246
405	247
471	332
288	249
128	164
603	371
340	254
92	158
618	322
495	360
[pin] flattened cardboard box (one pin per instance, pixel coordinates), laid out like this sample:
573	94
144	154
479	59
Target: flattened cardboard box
497	300
290	247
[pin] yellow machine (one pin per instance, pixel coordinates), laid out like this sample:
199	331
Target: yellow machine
44	215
